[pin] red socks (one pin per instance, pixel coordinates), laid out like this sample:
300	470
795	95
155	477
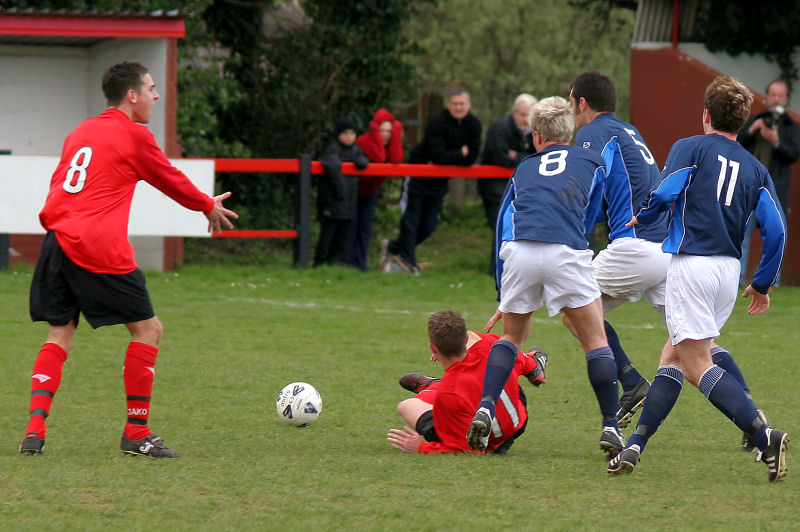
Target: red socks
44	385
139	370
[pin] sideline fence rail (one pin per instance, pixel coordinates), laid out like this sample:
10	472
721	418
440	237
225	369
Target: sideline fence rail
304	167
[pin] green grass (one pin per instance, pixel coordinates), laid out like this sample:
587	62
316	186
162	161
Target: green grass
235	335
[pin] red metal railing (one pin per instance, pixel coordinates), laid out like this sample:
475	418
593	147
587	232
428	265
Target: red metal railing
305	167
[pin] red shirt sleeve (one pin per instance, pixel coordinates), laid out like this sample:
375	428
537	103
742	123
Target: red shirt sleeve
156	169
524	364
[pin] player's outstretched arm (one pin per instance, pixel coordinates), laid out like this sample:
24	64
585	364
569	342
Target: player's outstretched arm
219	214
760	302
406	440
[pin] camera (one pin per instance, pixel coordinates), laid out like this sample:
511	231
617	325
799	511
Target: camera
770	119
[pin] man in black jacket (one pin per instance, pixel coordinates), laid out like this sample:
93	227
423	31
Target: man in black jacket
774	138
452	137
508	141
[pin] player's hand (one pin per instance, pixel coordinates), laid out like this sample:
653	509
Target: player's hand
512	155
406	440
497	316
465	150
758	124
760	302
633	221
770	134
220	214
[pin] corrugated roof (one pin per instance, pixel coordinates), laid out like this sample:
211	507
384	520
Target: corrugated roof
64	27
654	20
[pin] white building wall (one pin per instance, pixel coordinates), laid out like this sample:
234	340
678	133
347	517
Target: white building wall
46	91
43	95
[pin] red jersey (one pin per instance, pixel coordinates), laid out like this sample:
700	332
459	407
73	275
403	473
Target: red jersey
459	394
91	191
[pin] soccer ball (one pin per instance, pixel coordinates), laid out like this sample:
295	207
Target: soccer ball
299	404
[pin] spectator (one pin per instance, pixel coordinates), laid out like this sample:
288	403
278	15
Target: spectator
337	194
508	141
452	137
442	409
774	139
383	143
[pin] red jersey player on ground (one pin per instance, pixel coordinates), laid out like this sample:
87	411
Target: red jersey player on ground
86	263
443	408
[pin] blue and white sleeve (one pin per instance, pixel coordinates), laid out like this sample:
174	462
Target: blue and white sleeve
773	236
503	231
594	208
665	194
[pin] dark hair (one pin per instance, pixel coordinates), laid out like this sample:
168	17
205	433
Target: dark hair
448	332
456	90
121	78
728	103
597	89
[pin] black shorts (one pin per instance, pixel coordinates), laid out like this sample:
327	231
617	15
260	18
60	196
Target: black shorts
61	290
425	428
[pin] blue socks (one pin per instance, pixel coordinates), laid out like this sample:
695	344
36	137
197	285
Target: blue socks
603	376
661	397
501	361
723	359
627	374
727	395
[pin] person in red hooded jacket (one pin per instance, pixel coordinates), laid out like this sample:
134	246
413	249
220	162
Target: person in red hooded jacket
383	143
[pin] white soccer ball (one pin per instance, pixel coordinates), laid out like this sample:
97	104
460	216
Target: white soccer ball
299	404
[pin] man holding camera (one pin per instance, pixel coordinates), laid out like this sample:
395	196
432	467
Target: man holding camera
774	139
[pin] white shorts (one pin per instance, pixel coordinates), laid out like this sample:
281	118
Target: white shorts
701	293
629	269
537	272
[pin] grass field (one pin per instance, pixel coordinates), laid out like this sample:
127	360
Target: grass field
235	335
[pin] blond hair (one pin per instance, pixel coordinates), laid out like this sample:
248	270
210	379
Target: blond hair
552	117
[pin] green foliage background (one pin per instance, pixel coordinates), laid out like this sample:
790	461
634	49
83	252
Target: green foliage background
765	28
503	48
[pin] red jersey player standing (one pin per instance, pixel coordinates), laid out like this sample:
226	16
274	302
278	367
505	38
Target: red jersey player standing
87	264
443	409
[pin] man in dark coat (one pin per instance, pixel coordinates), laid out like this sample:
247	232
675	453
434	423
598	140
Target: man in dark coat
452	137
774	139
508	141
337	194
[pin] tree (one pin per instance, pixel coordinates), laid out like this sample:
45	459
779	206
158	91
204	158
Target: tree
501	48
765	28
282	90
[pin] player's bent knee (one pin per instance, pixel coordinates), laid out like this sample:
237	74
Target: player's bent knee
411	409
147	331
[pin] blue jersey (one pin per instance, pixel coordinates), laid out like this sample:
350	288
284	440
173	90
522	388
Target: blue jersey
713	185
631	173
553	196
